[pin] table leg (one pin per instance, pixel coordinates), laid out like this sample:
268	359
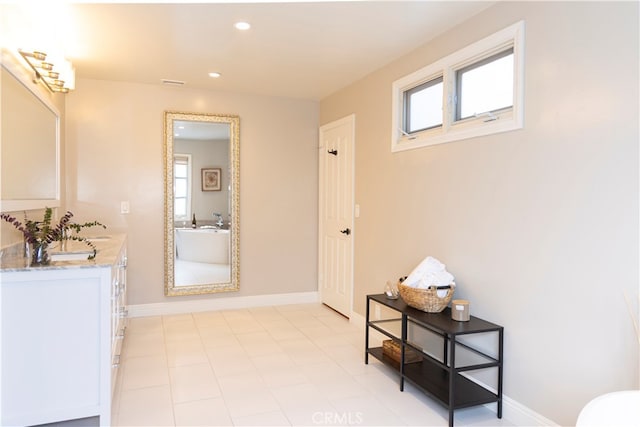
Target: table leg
452	377
500	370
403	340
366	335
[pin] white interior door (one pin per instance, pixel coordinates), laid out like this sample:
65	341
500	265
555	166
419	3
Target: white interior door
336	169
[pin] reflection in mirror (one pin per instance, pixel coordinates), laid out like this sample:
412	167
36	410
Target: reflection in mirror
30	145
201	203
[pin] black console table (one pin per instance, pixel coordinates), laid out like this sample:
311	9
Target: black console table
439	377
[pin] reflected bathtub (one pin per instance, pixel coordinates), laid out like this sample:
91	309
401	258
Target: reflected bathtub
202	245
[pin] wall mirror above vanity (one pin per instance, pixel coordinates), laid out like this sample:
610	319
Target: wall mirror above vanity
201	198
30	141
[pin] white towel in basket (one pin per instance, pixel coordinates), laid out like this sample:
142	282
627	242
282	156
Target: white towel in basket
430	272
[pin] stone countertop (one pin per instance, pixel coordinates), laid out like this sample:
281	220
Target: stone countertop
108	248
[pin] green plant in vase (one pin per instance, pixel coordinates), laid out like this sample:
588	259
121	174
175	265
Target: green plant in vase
38	235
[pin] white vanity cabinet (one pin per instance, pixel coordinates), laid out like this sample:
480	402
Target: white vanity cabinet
62	330
119	312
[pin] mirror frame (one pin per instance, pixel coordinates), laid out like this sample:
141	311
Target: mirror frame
234	228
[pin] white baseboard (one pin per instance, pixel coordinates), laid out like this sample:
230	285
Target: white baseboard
515	412
521	415
357	320
229	303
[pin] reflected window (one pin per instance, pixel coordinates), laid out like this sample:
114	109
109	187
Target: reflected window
182	187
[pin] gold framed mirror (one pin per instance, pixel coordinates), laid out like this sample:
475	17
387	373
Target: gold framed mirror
202	203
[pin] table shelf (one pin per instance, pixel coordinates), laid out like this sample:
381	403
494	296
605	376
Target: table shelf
435	381
442	379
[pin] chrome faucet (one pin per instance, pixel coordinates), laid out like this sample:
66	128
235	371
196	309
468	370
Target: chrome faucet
220	221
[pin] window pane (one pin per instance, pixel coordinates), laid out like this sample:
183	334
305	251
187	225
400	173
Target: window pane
423	106
181	188
487	86
180	207
180	170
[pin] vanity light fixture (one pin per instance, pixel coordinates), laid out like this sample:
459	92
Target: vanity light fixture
40	56
58	77
215	75
242	26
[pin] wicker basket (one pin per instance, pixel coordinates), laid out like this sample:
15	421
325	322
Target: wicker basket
425	299
392	350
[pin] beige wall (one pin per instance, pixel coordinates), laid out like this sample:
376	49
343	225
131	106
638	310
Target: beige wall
114	153
540	225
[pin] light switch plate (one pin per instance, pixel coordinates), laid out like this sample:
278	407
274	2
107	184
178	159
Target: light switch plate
124	207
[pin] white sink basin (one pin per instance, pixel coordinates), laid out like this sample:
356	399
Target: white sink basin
98	238
70	256
73	250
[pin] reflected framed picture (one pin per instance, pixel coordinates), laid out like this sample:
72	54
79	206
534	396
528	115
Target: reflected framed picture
211	179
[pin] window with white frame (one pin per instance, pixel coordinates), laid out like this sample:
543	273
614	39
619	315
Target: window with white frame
423	106
475	91
182	186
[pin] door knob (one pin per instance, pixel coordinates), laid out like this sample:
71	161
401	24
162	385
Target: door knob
346	231
334	152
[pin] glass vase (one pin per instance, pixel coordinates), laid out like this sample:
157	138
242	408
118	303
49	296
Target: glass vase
39	254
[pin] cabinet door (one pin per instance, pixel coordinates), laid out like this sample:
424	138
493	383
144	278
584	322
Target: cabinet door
50	349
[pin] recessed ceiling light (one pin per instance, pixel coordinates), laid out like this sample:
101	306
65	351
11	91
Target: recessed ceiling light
242	26
215	74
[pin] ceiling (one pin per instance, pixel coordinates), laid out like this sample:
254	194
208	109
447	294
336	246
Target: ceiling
201	131
296	49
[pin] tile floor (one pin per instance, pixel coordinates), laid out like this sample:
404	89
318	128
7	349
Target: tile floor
279	366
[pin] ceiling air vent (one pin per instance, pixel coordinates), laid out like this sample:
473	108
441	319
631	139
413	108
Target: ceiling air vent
169	82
